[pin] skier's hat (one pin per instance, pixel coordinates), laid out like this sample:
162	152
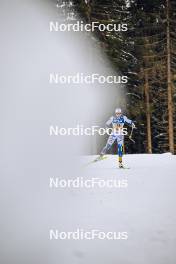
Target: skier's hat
118	111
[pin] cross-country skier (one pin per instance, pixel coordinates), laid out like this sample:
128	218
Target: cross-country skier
117	122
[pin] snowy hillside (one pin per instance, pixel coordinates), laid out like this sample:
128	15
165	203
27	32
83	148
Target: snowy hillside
146	209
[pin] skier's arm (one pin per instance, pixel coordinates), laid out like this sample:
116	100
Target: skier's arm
129	122
109	122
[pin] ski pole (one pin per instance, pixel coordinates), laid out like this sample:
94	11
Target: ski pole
130	136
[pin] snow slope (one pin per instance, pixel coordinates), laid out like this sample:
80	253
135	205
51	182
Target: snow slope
146	210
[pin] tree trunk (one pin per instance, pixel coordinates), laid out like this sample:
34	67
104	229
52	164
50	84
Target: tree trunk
169	85
147	102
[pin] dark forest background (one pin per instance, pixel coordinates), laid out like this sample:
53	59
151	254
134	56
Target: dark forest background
146	53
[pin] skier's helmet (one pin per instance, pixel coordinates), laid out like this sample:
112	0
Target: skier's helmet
118	111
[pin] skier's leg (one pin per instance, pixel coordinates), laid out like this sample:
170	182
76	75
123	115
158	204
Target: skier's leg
120	153
109	143
120	142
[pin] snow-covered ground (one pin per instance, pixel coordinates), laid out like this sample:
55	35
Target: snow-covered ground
146	210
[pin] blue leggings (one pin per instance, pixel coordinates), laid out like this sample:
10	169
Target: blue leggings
120	150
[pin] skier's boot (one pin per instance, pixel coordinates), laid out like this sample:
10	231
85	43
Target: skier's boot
120	163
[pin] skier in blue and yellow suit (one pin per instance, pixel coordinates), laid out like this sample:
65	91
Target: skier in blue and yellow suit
117	122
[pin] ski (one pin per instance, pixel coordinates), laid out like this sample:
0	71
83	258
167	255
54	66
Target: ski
100	158
97	159
123	168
